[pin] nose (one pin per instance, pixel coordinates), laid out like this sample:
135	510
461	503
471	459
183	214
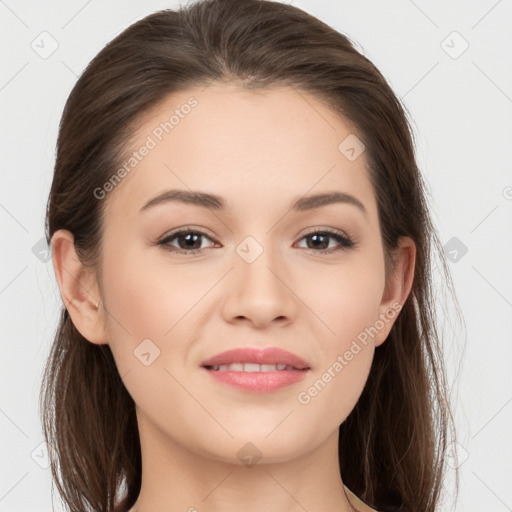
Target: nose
260	292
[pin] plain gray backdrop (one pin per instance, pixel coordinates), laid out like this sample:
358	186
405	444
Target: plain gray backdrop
449	62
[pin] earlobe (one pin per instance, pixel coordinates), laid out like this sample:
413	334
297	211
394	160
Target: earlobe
398	287
78	288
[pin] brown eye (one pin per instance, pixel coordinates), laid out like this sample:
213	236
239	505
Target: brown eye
319	241
187	241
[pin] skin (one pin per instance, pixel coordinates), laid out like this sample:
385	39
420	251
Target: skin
260	151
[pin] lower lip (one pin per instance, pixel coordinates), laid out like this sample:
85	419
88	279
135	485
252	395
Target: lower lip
258	382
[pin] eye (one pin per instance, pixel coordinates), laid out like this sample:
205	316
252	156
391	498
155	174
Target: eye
320	241
188	241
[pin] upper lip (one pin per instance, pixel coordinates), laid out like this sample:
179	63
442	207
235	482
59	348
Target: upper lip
271	355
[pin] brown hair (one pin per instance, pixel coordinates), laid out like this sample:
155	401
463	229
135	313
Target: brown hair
392	445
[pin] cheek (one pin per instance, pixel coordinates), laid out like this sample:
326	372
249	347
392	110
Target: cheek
348	309
146	320
136	307
348	302
347	352
143	295
333	392
149	299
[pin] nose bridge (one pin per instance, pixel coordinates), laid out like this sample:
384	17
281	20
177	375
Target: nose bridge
254	262
257	289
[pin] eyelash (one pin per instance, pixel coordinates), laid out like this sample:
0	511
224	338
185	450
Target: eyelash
345	241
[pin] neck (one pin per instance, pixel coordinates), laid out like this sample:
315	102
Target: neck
175	478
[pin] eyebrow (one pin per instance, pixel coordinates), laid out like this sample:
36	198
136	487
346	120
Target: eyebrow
217	203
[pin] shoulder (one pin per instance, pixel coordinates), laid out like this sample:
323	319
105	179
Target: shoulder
356	502
360	505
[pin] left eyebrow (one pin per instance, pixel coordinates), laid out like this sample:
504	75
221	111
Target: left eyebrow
219	204
319	200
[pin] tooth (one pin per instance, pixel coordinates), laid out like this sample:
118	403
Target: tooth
251	367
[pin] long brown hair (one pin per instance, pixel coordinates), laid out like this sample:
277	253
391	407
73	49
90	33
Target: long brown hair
392	445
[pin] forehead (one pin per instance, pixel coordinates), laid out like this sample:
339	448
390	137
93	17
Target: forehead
254	147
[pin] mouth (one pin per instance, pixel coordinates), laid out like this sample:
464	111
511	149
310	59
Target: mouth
256	370
251	359
252	367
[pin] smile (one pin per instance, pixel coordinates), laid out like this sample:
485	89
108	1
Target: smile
250	367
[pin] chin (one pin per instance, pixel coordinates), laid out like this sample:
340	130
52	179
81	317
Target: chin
250	448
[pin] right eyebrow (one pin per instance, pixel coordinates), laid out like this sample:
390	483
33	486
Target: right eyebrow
188	197
217	203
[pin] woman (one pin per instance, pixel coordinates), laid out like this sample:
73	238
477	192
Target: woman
242	242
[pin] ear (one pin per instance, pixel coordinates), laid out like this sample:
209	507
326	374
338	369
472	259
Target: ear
79	289
397	288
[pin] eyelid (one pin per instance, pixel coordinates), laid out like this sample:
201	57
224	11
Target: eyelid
187	228
344	239
184	229
320	229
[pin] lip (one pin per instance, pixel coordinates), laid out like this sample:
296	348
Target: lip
271	355
257	382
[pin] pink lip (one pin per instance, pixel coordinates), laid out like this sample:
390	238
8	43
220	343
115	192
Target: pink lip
272	355
258	382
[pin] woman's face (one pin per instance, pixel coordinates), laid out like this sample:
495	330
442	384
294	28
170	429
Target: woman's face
255	277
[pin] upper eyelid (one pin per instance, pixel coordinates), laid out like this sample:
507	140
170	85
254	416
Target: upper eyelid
331	232
201	231
187	229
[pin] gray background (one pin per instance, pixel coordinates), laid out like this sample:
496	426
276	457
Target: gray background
460	103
